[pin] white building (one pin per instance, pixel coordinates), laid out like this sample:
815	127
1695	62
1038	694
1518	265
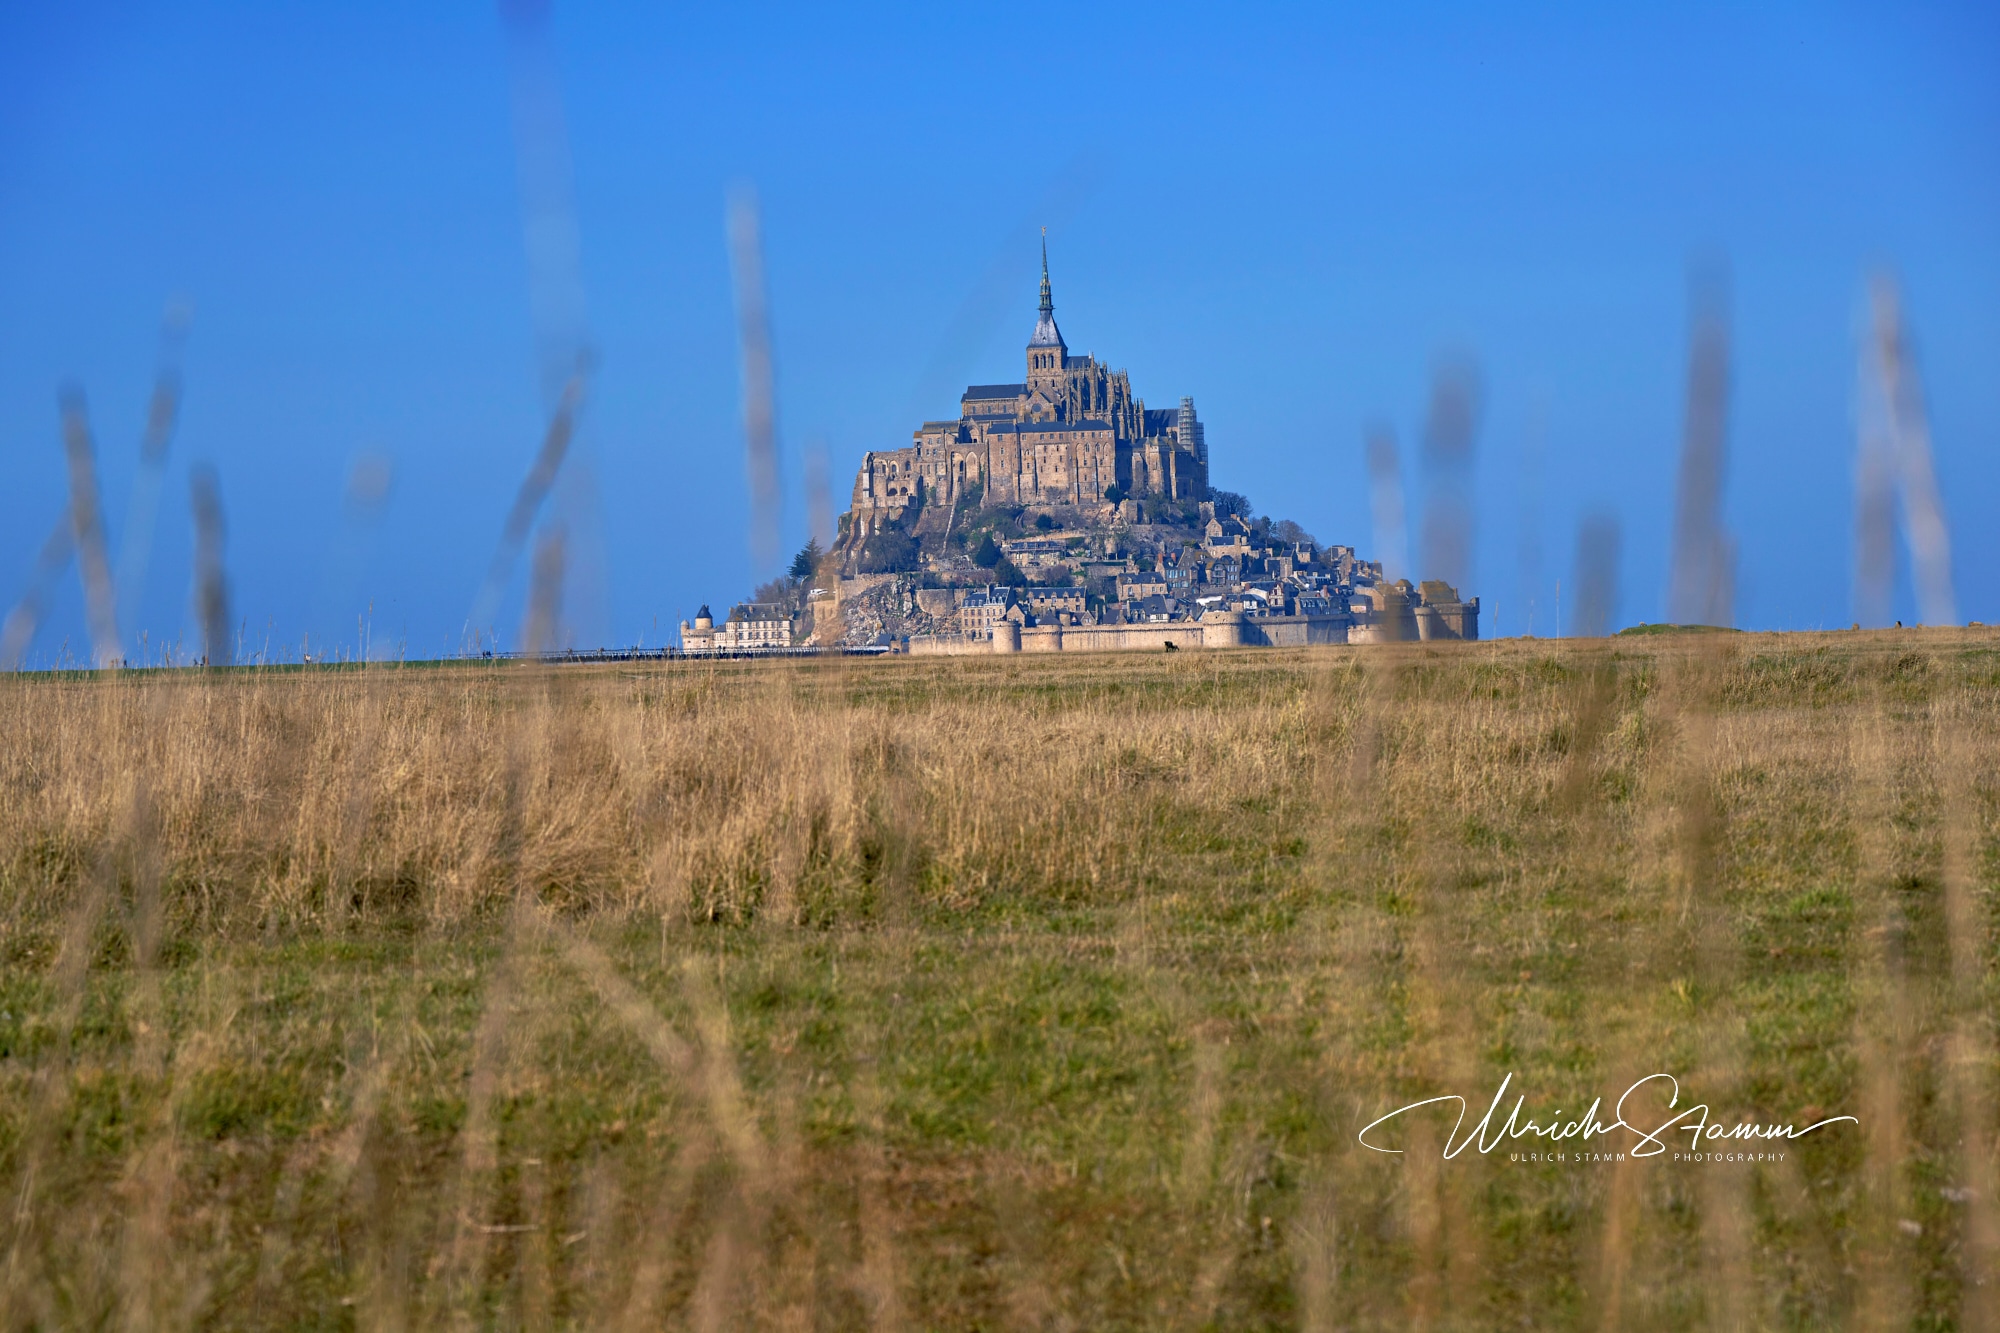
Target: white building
752	627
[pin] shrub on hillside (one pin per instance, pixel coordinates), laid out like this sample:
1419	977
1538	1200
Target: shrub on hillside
1230	502
889	552
1292	534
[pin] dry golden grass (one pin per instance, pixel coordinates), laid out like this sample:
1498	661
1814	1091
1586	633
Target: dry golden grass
998	992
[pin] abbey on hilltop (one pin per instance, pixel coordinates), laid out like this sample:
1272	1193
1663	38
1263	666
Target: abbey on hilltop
1070	434
1062	514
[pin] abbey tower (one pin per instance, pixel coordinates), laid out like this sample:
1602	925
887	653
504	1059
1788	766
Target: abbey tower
1047	353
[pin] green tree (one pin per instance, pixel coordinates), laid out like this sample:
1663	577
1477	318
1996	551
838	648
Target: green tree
807	560
889	552
1230	502
1291	533
987	554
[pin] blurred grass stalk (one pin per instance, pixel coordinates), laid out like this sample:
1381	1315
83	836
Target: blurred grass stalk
1893	463
82	521
87	523
1450	430
135	550
1702	578
211	580
760	412
534	489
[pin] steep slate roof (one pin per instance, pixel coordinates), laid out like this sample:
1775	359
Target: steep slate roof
985	392
758	611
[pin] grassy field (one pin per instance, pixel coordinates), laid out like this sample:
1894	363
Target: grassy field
1001	993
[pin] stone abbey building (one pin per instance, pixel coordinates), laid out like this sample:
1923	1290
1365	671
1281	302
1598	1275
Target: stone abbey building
1125	547
1064	436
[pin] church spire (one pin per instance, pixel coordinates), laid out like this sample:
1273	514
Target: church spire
1046	333
1048	302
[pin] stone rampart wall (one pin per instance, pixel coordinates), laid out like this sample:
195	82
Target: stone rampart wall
1110	638
1295	631
1215	630
950	645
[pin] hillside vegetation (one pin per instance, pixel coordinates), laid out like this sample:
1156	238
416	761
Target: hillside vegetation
1011	993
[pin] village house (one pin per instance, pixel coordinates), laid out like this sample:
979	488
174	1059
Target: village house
1056	601
982	608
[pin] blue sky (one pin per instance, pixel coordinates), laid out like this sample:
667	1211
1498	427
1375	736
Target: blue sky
1287	213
